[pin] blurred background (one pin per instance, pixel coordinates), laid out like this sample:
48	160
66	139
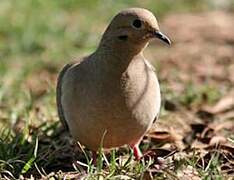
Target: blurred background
37	38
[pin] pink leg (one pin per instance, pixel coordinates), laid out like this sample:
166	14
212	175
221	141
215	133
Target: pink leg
94	156
137	152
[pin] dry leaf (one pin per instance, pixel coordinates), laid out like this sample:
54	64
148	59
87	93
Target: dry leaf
217	140
159	152
225	125
161	137
224	104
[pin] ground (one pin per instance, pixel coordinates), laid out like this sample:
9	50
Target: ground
195	131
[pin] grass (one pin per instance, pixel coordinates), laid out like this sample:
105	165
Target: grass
36	39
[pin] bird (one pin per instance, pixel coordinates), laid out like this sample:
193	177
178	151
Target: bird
112	96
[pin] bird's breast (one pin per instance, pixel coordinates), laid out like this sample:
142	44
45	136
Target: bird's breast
97	103
141	90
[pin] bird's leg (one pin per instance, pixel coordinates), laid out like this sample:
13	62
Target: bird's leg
159	162
136	151
94	156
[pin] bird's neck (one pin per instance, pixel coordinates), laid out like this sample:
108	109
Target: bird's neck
116	61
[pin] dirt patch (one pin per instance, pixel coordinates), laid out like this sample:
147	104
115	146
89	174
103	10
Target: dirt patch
202	50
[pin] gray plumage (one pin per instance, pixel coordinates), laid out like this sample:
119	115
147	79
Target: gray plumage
115	89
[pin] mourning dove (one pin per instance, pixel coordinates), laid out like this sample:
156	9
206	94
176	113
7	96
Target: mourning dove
113	94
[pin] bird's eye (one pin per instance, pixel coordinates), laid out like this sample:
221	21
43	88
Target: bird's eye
137	23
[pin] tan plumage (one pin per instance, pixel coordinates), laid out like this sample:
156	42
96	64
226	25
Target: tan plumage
115	89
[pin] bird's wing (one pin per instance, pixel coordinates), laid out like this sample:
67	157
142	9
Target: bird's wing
151	67
59	95
59	89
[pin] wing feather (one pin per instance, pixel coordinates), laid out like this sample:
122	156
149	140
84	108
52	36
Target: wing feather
59	95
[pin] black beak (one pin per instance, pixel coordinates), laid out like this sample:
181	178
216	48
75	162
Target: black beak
162	37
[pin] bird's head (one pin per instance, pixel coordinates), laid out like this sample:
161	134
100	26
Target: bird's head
131	29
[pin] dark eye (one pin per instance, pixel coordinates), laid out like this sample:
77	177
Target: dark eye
137	23
123	37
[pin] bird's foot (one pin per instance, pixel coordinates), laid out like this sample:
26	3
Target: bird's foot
159	162
94	156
